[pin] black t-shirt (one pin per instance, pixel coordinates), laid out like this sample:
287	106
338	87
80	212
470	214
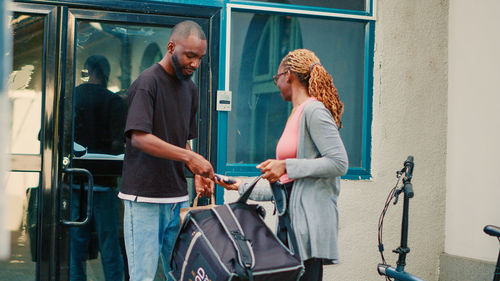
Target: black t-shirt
99	119
164	106
99	122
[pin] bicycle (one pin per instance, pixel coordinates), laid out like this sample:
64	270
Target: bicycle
398	273
495	232
383	268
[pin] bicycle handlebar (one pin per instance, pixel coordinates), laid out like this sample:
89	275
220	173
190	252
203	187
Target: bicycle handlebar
492	230
409	165
408	171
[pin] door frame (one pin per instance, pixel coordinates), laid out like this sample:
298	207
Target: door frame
44	162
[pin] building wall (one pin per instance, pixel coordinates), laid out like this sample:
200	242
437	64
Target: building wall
409	118
473	129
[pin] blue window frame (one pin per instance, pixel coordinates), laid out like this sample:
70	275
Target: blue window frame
258	35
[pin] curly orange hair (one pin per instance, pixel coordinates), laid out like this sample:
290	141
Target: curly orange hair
319	83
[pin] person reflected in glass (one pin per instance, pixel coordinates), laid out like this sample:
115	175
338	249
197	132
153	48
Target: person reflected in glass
99	123
310	159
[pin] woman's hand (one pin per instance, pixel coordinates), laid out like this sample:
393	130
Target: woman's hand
233	186
272	169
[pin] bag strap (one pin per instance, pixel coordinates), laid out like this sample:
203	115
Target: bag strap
246	257
284	221
244	197
281	196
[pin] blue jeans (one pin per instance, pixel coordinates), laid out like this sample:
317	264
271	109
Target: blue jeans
150	230
105	221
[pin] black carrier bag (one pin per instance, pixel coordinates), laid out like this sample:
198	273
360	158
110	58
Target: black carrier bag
231	242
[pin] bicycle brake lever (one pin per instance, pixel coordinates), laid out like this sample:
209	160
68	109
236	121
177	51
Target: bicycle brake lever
396	196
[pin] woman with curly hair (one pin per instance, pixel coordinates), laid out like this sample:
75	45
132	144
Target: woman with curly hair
310	158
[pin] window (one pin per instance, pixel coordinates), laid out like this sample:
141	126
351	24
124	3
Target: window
152	54
258	41
358	5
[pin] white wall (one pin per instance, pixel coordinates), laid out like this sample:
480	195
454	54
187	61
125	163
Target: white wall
409	118
473	160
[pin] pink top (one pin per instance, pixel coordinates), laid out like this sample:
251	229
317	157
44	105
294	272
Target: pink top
287	145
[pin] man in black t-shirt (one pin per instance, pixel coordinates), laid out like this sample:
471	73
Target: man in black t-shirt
99	115
161	119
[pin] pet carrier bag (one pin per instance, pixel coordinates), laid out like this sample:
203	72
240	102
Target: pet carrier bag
231	242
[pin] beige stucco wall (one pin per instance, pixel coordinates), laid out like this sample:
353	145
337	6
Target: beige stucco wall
474	129
409	118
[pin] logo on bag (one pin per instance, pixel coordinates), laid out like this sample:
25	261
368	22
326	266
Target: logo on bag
201	275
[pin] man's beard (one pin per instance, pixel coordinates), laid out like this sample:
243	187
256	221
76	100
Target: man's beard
178	69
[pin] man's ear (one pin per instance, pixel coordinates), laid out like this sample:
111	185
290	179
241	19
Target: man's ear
170	47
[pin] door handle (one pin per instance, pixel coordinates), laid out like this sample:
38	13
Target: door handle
90	196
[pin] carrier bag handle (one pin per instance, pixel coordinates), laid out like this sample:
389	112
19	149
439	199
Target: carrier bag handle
244	197
212	200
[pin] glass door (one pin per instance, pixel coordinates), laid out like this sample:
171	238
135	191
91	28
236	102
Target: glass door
104	53
67	144
31	92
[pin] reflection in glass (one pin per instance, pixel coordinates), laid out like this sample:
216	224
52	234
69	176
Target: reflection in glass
258	43
98	241
21	190
99	123
125	47
358	5
259	113
25	83
151	55
109	57
99	113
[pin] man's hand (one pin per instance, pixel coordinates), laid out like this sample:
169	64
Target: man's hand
203	186
272	169
198	165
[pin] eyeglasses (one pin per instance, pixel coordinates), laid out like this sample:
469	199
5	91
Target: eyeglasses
275	77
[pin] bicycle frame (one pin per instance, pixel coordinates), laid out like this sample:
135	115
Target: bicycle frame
392	272
398	273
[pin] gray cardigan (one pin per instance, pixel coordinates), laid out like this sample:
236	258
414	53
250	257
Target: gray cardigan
321	160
